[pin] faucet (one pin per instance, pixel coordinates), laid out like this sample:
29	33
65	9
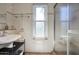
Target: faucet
2	32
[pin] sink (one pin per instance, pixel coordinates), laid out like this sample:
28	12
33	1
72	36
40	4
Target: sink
7	40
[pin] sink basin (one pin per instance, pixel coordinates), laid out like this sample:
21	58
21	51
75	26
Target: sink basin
8	40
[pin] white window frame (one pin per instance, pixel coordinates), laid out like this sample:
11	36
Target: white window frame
45	21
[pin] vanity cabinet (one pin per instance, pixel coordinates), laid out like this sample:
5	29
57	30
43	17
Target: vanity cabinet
14	50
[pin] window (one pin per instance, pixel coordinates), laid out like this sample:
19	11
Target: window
40	21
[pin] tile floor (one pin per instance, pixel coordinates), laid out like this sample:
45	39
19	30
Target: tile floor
52	53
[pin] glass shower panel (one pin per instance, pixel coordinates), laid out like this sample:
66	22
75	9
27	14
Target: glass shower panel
74	29
61	26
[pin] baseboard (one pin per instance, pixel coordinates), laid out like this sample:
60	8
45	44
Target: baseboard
38	53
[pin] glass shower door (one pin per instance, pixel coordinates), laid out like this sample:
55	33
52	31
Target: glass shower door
61	27
74	29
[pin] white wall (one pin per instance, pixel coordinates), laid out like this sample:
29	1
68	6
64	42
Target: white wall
6	17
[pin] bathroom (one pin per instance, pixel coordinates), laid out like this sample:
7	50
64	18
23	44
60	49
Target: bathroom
47	35
18	17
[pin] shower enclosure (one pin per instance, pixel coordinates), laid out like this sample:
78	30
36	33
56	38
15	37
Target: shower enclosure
73	30
66	28
61	26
